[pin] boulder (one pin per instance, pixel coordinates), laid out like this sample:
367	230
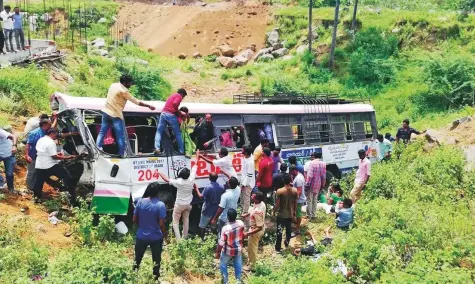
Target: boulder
263	52
98	43
451	141
266	58
214	51
277	46
241	60
196	55
280	52
432	136
459	121
253	47
182	56
226	50
301	49
273	37
227	62
247	53
102	21
100	52
287	57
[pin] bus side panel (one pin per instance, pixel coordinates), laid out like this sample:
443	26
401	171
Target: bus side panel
112	189
111	198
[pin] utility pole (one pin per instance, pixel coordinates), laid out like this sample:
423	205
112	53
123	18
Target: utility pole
310	34
353	23
335	28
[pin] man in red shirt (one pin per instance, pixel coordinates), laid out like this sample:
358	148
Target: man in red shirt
169	116
264	177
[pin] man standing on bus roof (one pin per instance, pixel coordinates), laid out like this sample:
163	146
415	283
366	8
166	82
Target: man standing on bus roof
316	180
362	176
169	116
112	116
405	132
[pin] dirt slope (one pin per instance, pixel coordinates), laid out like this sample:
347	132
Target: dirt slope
171	30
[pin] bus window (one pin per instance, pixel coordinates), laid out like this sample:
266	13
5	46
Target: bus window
290	130
341	128
317	129
231	137
362	125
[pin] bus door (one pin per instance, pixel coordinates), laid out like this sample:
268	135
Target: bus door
259	127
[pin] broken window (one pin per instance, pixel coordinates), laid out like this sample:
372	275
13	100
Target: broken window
290	130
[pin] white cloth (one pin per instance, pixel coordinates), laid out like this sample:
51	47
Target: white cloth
226	164
306	165
5	144
46	149
248	173
31	124
184	188
7	23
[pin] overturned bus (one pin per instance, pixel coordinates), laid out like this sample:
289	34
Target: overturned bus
334	127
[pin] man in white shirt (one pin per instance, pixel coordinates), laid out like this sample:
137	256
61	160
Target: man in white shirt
7	156
225	162
185	183
47	165
6	17
248	179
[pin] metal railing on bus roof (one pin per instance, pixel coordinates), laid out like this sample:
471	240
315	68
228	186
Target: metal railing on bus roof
285	98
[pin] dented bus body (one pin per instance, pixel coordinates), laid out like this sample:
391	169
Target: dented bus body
338	133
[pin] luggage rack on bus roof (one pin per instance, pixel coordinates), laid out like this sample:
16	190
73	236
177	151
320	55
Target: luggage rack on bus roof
281	98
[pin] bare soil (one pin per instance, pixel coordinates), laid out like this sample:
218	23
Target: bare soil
172	30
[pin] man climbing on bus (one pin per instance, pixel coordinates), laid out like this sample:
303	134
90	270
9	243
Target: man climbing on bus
169	116
112	116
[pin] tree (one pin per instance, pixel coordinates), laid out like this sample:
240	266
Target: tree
353	22
335	28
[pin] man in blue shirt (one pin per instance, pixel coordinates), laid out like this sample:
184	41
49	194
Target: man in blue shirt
30	151
150	214
228	200
344	217
293	161
212	196
18	29
7	155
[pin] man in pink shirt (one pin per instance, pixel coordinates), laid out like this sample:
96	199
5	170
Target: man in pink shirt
362	176
315	182
169	116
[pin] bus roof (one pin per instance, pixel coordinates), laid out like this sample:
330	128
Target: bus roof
86	103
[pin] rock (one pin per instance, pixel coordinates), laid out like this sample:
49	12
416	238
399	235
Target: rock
216	32
102	21
227	62
252	13
114	18
241	61
455	124
273	37
247	53
214	51
301	49
100	52
280	52
198	32
196	55
323	48
98	43
451	141
459	121
276	46
40	228
266	58
194	44
182	56
465	119
202	5
226	50
263	52
287	57
253	47
432	136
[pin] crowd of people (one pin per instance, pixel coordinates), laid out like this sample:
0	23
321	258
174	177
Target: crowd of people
266	181
12	27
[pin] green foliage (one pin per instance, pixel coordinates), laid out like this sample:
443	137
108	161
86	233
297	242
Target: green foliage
370	62
451	83
26	89
413	220
52	205
193	255
149	84
210	58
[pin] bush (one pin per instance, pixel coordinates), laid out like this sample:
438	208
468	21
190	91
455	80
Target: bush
451	83
371	63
